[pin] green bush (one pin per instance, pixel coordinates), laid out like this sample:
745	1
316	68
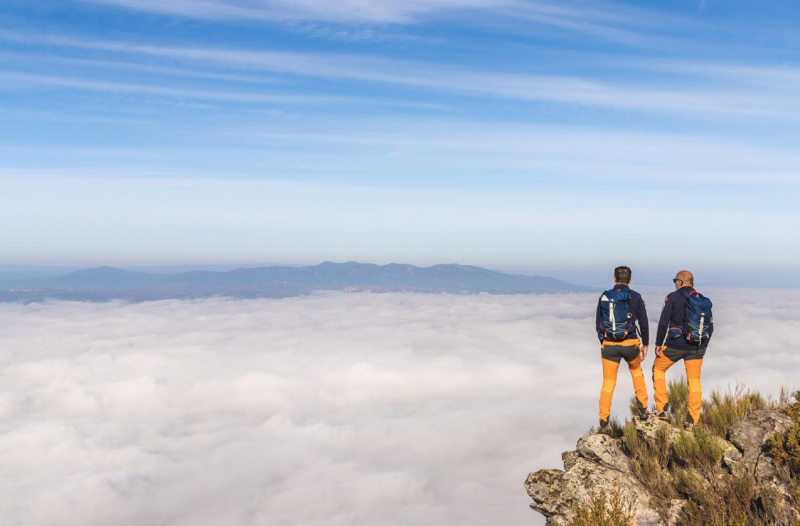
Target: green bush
701	448
678	392
785	448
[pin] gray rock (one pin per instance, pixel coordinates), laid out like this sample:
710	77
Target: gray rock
544	487
587	477
649	429
732	460
603	450
750	435
674	513
751	432
569	458
598	465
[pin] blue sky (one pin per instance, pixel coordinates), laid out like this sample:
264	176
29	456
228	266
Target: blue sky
502	133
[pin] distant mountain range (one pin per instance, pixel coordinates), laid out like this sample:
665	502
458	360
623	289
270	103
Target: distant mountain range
104	283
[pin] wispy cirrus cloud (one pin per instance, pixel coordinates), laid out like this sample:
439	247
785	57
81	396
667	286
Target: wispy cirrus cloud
348	11
28	80
610	21
726	100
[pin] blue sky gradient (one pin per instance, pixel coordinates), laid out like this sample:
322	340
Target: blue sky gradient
502	133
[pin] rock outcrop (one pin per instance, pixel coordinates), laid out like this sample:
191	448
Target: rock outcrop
599	464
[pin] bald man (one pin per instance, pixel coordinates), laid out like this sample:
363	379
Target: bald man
674	346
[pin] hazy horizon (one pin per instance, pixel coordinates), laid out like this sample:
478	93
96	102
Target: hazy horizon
742	278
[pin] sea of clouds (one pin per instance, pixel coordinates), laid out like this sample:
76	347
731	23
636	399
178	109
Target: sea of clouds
333	409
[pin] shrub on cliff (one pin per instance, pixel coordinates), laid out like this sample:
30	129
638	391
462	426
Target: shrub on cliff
604	509
740	466
674	464
785	447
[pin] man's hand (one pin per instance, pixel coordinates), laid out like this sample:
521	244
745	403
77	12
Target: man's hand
660	350
643	352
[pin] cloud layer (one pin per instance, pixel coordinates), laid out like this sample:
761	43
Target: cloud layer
328	409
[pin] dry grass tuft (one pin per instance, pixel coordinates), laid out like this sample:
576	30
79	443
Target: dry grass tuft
604	509
721	411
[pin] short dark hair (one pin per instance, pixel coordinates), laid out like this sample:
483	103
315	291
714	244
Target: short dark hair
622	274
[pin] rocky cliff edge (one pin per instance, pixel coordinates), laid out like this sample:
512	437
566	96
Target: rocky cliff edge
631	471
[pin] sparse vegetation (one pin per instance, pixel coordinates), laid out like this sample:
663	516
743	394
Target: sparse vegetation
721	411
689	466
678	399
614	429
719	500
650	462
785	448
604	509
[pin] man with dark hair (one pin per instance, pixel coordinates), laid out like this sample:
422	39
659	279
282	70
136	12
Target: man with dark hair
618	312
622	275
681	341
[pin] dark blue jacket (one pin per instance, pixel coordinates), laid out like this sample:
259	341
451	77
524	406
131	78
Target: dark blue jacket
637	309
672	315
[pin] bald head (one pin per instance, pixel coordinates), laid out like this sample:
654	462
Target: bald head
683	278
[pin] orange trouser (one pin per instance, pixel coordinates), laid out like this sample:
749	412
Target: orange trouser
660	366
610	369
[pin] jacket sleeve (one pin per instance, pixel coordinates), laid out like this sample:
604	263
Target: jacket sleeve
644	325
663	323
601	330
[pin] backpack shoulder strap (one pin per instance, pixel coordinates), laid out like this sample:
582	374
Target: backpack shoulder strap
688	293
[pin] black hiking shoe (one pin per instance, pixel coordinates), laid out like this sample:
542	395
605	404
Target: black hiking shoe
604	426
641	414
663	416
689	427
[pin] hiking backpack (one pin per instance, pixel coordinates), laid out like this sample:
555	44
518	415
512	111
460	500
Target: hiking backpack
618	321
697	318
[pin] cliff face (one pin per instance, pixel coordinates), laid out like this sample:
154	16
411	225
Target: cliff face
633	474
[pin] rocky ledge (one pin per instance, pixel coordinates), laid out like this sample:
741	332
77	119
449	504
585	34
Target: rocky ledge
602	464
